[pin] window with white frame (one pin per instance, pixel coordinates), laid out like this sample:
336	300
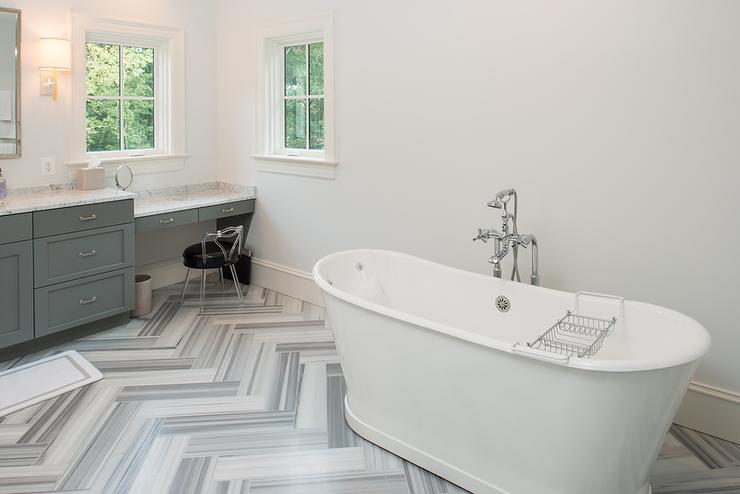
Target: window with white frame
120	97
129	101
295	108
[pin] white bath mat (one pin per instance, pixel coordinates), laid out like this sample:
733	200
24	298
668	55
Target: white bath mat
28	384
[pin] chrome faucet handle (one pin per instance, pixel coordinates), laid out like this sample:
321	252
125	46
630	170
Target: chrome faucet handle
483	235
525	239
486	234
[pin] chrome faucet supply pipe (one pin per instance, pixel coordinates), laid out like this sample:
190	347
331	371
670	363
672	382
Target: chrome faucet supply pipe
496	252
530	239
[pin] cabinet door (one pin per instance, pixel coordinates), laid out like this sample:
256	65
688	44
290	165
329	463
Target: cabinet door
16	293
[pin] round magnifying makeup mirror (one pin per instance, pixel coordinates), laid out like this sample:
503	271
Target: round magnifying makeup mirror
124	177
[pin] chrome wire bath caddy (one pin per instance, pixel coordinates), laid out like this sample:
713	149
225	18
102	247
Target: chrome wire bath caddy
575	336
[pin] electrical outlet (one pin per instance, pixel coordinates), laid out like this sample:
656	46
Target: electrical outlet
48	166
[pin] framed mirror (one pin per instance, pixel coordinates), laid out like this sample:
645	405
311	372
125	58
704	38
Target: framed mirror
10	78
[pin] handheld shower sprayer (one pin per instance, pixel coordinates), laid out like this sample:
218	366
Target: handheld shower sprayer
501	198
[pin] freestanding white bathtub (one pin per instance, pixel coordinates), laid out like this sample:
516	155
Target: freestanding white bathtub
438	375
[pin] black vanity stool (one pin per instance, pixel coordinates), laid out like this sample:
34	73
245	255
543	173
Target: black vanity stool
217	250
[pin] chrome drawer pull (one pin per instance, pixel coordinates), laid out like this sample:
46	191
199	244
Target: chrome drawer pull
164	222
227	210
89	300
88	254
88	218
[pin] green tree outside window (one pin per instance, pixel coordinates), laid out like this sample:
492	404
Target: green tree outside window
303	96
120	106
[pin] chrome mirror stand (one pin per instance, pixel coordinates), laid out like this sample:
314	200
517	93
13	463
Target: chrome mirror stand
124	177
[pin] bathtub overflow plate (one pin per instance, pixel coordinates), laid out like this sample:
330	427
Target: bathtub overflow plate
503	304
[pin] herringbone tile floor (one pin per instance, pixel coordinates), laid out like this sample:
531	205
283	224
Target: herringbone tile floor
247	399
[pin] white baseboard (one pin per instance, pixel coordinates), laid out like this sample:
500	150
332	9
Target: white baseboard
282	279
287	280
711	410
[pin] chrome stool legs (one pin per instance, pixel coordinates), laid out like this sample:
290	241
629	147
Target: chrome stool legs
185	286
202	292
237	286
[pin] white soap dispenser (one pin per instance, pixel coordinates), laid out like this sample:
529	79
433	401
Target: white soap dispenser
3	188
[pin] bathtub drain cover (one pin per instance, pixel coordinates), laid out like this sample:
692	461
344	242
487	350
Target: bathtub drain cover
503	304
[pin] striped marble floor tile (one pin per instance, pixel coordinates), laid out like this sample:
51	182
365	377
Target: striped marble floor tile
712	451
246	399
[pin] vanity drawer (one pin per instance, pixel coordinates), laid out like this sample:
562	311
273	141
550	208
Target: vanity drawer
167	220
225	210
79	218
15	228
74	303
66	257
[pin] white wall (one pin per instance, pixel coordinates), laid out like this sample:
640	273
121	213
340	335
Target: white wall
618	122
44	122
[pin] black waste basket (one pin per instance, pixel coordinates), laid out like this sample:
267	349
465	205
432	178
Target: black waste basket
243	268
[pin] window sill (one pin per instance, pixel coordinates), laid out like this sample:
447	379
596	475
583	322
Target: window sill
152	163
296	165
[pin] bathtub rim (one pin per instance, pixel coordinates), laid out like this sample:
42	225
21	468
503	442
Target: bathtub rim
591	364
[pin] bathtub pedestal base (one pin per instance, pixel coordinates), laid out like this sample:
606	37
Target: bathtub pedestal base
425	461
428	462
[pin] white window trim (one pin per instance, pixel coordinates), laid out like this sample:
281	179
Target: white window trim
170	125
271	155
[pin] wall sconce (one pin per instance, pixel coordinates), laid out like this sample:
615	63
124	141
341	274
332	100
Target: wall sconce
56	56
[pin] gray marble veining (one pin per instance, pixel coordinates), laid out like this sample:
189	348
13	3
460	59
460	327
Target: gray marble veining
170	199
247	399
29	199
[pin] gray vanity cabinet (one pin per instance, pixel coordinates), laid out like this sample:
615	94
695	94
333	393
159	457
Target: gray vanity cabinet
63	268
16	293
84	264
69	267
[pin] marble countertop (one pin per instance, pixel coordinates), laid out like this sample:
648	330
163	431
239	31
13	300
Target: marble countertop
172	199
31	199
146	202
